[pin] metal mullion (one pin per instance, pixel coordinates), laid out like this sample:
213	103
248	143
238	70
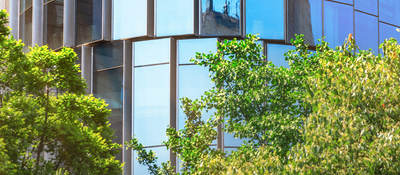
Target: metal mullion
109	68
388	23
173	92
341	2
147	65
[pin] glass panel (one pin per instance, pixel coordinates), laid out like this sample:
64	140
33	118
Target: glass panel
187	49
53	24
338	22
25	4
123	28
161	153
389	11
88	21
78	51
25	28
369	6
151	104
366	31
387	31
193	81
275	54
107	55
346	1
108	86
151	52
305	17
266	18
220	17
174	17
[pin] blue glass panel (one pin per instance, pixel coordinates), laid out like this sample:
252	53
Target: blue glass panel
151	103
174	17
366	31
346	1
220	17
338	22
389	11
266	18
161	153
305	17
369	6
387	31
107	55
151	52
187	49
130	18
193	82
275	54
230	140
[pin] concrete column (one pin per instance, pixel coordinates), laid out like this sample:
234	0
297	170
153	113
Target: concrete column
13	20
69	23
37	22
127	106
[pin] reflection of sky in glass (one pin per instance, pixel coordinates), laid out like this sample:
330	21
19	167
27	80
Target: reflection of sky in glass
389	11
388	31
174	17
187	48
151	104
160	152
265	18
366	31
151	51
346	1
129	19
275	54
369	6
316	19
338	22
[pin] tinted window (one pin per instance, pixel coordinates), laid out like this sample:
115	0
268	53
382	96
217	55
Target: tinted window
187	49
25	27
305	17
151	103
275	54
220	17
338	22
88	21
369	6
53	24
266	18
346	1
151	52
387	31
366	31
107	55
389	11
174	17
135	25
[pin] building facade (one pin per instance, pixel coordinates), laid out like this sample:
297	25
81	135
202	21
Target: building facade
136	54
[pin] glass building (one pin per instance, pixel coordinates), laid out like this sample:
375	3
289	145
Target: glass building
135	53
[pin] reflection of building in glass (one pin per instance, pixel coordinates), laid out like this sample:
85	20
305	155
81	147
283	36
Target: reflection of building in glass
221	20
135	53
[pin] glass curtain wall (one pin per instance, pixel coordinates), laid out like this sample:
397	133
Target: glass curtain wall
151	97
53	23
368	6
88	21
305	17
389	11
136	11
366	31
220	17
25	23
174	17
338	22
266	18
107	82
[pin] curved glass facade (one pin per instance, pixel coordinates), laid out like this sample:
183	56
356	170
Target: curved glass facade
136	54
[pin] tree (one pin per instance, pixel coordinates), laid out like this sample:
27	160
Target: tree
47	122
334	111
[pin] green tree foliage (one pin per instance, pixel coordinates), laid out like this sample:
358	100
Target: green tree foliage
334	111
47	123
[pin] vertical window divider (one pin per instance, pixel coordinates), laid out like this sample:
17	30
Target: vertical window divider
69	23
173	92
150	18
106	19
